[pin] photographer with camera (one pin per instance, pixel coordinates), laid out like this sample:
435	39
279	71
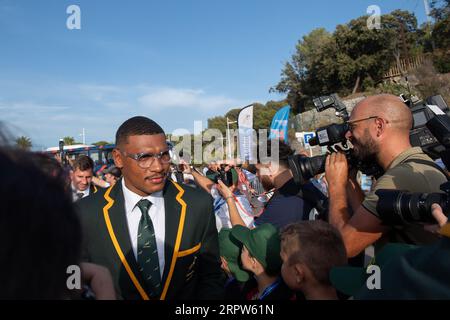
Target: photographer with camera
230	206
379	131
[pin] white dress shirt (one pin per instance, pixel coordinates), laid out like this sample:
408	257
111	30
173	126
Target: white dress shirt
75	193
156	213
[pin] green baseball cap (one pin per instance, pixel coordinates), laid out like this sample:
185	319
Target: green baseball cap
234	174
230	249
350	280
263	243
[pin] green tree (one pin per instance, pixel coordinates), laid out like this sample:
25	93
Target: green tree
69	141
440	9
441	39
305	74
24	143
350	59
101	143
262	116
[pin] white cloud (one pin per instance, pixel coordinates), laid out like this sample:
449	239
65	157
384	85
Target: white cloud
53	110
165	97
99	92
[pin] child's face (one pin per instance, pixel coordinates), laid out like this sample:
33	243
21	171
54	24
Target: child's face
288	272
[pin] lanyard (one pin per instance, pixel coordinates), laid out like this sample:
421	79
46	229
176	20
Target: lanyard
269	289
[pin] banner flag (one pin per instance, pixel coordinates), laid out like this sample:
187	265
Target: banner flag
279	126
245	125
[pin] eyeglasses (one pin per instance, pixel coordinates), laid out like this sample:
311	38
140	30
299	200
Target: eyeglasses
145	160
351	124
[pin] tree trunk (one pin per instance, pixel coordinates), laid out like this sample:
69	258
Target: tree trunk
355	88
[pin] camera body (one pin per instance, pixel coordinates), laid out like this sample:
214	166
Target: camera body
225	176
304	168
422	133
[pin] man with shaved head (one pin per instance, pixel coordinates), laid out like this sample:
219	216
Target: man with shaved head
379	131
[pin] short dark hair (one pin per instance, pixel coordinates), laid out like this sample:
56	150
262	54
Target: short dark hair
137	126
45	218
83	163
317	244
284	150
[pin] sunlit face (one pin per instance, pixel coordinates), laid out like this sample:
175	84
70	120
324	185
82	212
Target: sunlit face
139	180
81	180
365	147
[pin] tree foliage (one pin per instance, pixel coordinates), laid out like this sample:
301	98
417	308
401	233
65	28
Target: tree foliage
351	59
441	38
262	116
101	143
69	141
24	143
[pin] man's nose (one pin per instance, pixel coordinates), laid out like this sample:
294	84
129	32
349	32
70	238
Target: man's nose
156	165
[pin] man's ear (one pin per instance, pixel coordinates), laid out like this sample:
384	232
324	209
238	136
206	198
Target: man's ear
381	126
117	158
299	273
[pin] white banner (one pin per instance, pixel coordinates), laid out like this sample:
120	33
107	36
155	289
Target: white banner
245	125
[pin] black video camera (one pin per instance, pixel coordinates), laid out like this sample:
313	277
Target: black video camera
304	168
421	134
396	207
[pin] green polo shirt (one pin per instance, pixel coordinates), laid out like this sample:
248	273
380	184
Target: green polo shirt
409	177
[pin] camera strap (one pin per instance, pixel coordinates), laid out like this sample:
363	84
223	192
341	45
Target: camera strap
429	163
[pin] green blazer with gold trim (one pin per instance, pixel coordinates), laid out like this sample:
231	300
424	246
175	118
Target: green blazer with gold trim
191	252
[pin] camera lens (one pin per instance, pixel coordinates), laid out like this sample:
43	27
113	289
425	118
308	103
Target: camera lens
304	168
396	207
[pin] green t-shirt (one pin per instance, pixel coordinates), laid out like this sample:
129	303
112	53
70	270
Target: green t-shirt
410	177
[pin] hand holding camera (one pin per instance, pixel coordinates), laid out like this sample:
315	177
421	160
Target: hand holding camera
224	191
336	170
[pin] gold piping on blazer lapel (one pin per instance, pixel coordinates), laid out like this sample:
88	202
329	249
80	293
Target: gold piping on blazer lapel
110	203
178	238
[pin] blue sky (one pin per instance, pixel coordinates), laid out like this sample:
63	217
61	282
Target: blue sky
174	61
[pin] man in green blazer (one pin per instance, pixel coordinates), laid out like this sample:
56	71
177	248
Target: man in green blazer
157	238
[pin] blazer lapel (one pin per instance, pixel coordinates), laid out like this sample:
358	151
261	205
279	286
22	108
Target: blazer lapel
130	278
175	211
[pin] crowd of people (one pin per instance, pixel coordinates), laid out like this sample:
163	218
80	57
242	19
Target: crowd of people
147	228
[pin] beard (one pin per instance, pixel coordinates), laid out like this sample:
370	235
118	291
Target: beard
266	183
365	149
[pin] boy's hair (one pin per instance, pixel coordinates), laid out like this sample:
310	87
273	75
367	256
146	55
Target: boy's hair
316	244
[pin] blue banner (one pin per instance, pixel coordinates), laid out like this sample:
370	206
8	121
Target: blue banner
279	126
